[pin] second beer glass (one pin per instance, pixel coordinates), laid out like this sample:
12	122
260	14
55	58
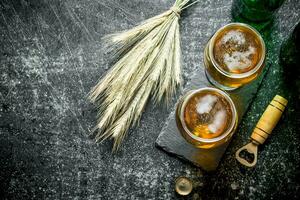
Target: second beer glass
234	56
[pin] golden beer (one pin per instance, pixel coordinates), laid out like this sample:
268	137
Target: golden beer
234	56
206	117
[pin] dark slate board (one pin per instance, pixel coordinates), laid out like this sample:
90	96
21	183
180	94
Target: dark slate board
171	141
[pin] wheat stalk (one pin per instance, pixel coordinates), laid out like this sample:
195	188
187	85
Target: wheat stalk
148	66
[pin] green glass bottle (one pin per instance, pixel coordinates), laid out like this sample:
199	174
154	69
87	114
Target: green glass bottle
290	57
257	13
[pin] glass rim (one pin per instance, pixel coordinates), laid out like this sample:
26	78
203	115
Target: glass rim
234	75
208	140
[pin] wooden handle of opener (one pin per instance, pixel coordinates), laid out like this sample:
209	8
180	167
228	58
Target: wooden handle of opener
269	119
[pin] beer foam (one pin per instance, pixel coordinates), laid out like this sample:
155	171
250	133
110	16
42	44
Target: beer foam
206	103
235	36
219	120
239	60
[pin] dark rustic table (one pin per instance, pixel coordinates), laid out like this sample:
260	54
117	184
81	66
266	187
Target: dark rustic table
50	57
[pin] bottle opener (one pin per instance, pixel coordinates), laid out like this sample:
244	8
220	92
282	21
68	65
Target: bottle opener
263	129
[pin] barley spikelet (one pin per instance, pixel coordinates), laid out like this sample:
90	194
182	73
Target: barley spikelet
148	66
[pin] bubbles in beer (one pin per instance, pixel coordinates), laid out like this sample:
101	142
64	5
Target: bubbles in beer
237	50
208	114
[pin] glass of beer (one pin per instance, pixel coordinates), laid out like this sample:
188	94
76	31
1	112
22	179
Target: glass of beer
206	117
234	56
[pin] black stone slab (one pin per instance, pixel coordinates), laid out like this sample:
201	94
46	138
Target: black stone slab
171	140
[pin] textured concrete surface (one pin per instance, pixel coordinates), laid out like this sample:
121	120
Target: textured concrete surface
50	57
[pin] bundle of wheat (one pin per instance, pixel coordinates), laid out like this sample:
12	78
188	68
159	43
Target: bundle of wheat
148	65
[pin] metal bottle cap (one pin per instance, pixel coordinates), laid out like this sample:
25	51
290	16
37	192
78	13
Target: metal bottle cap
183	186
